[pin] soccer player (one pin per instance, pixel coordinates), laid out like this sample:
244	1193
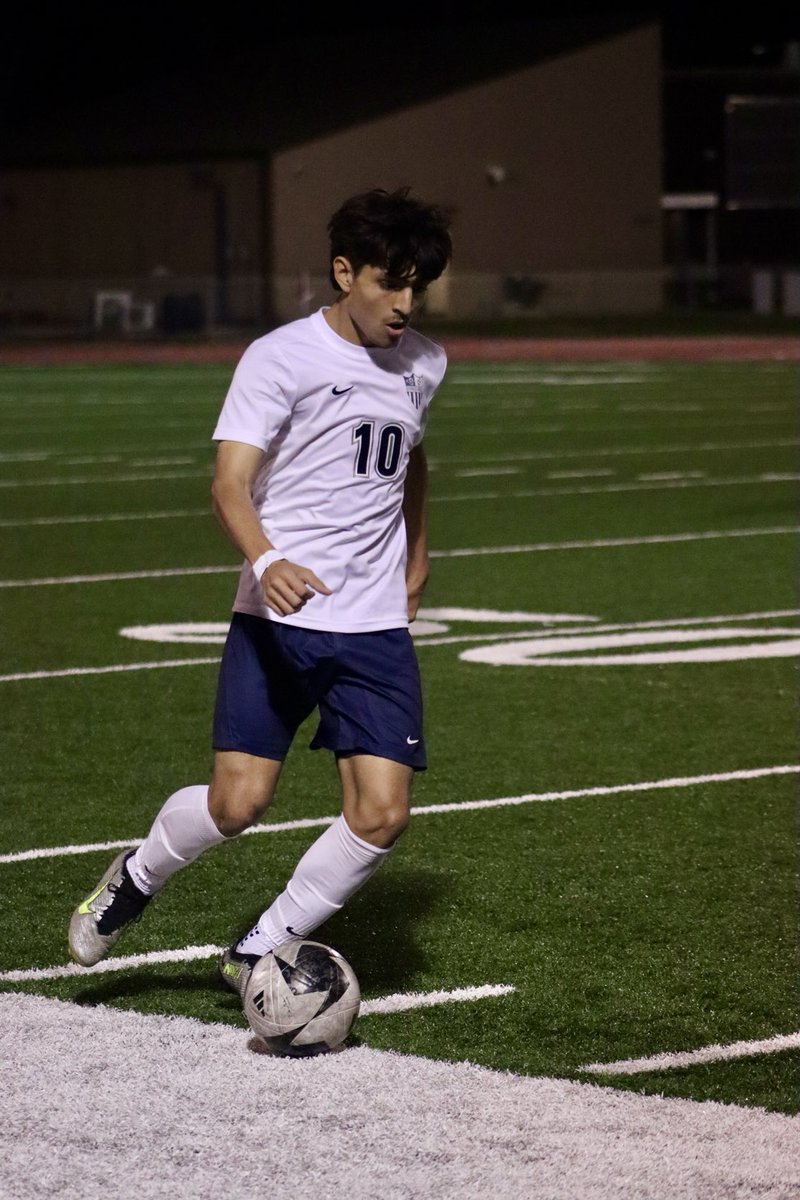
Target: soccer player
321	484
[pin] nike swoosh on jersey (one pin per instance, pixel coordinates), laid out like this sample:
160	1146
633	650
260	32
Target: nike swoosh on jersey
412	741
341	391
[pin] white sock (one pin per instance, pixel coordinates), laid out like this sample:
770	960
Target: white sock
331	870
183	829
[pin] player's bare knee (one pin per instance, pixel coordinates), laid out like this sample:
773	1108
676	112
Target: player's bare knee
380	822
233	820
238	795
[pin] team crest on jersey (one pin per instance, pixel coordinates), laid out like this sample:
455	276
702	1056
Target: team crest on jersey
414	389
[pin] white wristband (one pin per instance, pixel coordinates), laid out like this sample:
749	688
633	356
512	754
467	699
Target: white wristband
266	560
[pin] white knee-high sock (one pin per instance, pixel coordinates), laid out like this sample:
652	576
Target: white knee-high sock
331	870
183	829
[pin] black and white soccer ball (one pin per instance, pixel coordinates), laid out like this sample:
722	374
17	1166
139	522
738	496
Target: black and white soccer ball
302	998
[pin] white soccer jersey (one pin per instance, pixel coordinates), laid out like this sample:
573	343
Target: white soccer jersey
336	422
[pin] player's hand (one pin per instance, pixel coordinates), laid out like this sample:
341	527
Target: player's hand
415	587
286	586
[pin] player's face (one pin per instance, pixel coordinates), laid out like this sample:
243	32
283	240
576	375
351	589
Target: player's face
373	309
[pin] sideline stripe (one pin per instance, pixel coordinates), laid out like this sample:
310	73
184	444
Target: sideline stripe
460	806
465	552
688	1058
397	1002
69	672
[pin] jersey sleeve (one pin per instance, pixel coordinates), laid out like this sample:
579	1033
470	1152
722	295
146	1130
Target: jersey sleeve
437	368
259	400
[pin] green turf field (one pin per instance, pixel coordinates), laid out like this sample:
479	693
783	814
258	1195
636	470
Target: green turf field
608	650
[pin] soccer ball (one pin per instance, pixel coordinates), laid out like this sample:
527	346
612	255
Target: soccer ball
302	999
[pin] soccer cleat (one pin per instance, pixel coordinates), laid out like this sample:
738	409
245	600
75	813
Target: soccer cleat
99	920
235	967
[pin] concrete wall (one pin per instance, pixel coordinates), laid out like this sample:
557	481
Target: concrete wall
70	233
73	222
552	173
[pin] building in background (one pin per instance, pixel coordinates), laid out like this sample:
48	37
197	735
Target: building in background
731	139
192	196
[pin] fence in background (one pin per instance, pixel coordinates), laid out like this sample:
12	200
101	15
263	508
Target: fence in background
204	305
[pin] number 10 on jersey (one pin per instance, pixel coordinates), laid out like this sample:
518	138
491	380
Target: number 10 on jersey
388	448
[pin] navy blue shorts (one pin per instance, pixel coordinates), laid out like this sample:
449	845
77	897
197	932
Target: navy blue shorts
365	685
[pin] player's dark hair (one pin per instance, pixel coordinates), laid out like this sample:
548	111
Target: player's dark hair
392	230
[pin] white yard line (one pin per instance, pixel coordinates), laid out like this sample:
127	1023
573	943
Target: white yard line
662	484
618	451
579	625
678	408
405	1001
128	962
397	1002
524	493
657	476
85	480
119	452
85	460
690	1058
611	790
97	519
669	627
618	789
116	668
676	478
607	543
585	379
590	473
465	552
476	472
591	624
162	462
496	617
118	576
719	619
471	461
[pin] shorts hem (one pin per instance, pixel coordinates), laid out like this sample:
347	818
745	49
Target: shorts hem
255	751
375	752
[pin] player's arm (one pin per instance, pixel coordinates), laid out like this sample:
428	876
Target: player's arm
415	514
286	586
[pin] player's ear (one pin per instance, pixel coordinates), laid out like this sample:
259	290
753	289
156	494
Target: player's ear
343	273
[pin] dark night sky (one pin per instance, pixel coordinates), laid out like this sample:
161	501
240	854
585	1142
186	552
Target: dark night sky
61	62
57	54
76	80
